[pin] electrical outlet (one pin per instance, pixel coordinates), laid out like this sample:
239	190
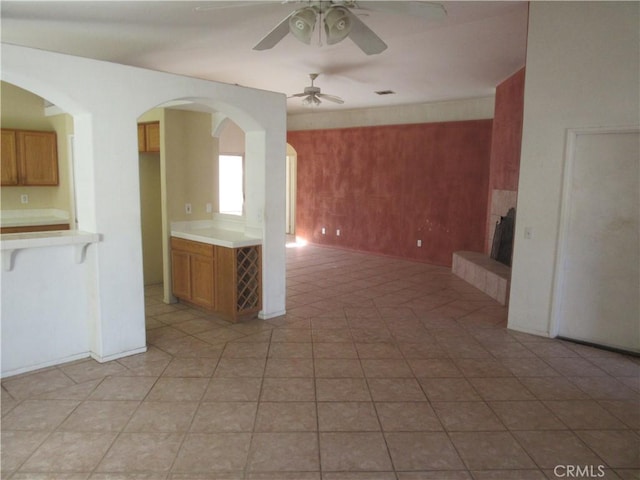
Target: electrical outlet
337	232
209	208
24	198
527	233
419	243
324	231
187	208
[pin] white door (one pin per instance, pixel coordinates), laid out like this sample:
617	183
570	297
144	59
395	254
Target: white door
597	292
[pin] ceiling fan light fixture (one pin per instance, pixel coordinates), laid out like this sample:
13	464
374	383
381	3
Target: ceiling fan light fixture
302	23
337	24
311	101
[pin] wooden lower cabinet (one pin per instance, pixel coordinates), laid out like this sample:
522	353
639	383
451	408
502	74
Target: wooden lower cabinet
223	280
181	273
193	279
203	281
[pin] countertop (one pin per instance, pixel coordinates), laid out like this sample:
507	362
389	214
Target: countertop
12	241
215	236
33	217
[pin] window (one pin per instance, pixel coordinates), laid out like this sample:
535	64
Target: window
230	184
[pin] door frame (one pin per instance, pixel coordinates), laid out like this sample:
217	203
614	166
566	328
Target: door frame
559	278
291	192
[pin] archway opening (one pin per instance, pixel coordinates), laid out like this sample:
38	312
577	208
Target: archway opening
180	178
38	192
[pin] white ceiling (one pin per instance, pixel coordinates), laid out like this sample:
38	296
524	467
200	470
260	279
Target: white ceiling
467	54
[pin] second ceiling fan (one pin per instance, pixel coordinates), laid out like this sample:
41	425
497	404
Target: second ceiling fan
340	22
313	96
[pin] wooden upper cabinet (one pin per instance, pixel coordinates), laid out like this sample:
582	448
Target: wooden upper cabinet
152	133
141	138
9	158
38	158
29	157
149	137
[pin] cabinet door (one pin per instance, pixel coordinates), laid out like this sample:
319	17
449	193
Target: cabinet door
202	281
181	274
225	281
142	141
152	137
9	167
37	158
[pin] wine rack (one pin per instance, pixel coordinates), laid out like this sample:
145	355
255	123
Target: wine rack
248	279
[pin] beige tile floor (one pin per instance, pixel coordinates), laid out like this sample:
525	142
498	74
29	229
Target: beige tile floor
381	369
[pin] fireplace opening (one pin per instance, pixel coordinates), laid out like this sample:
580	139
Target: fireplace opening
502	246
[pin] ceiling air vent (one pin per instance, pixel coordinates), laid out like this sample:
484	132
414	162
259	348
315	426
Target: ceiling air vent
385	92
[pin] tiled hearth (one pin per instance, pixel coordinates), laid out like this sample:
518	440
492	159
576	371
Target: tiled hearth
382	369
484	273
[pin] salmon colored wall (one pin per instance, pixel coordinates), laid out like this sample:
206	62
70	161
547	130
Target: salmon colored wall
385	187
507	133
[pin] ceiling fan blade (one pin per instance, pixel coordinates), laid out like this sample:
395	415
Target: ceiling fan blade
298	95
331	98
363	36
229	4
272	38
430	10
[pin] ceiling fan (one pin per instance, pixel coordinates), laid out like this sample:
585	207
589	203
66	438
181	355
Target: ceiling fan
313	95
339	21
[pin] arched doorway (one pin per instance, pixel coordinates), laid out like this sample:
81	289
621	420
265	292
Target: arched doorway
22	112
180	183
151	193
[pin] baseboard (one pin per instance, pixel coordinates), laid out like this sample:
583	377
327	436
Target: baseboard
49	363
115	356
600	346
262	316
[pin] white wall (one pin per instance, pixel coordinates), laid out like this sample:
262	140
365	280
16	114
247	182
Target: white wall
582	71
43	323
231	139
106	99
449	111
